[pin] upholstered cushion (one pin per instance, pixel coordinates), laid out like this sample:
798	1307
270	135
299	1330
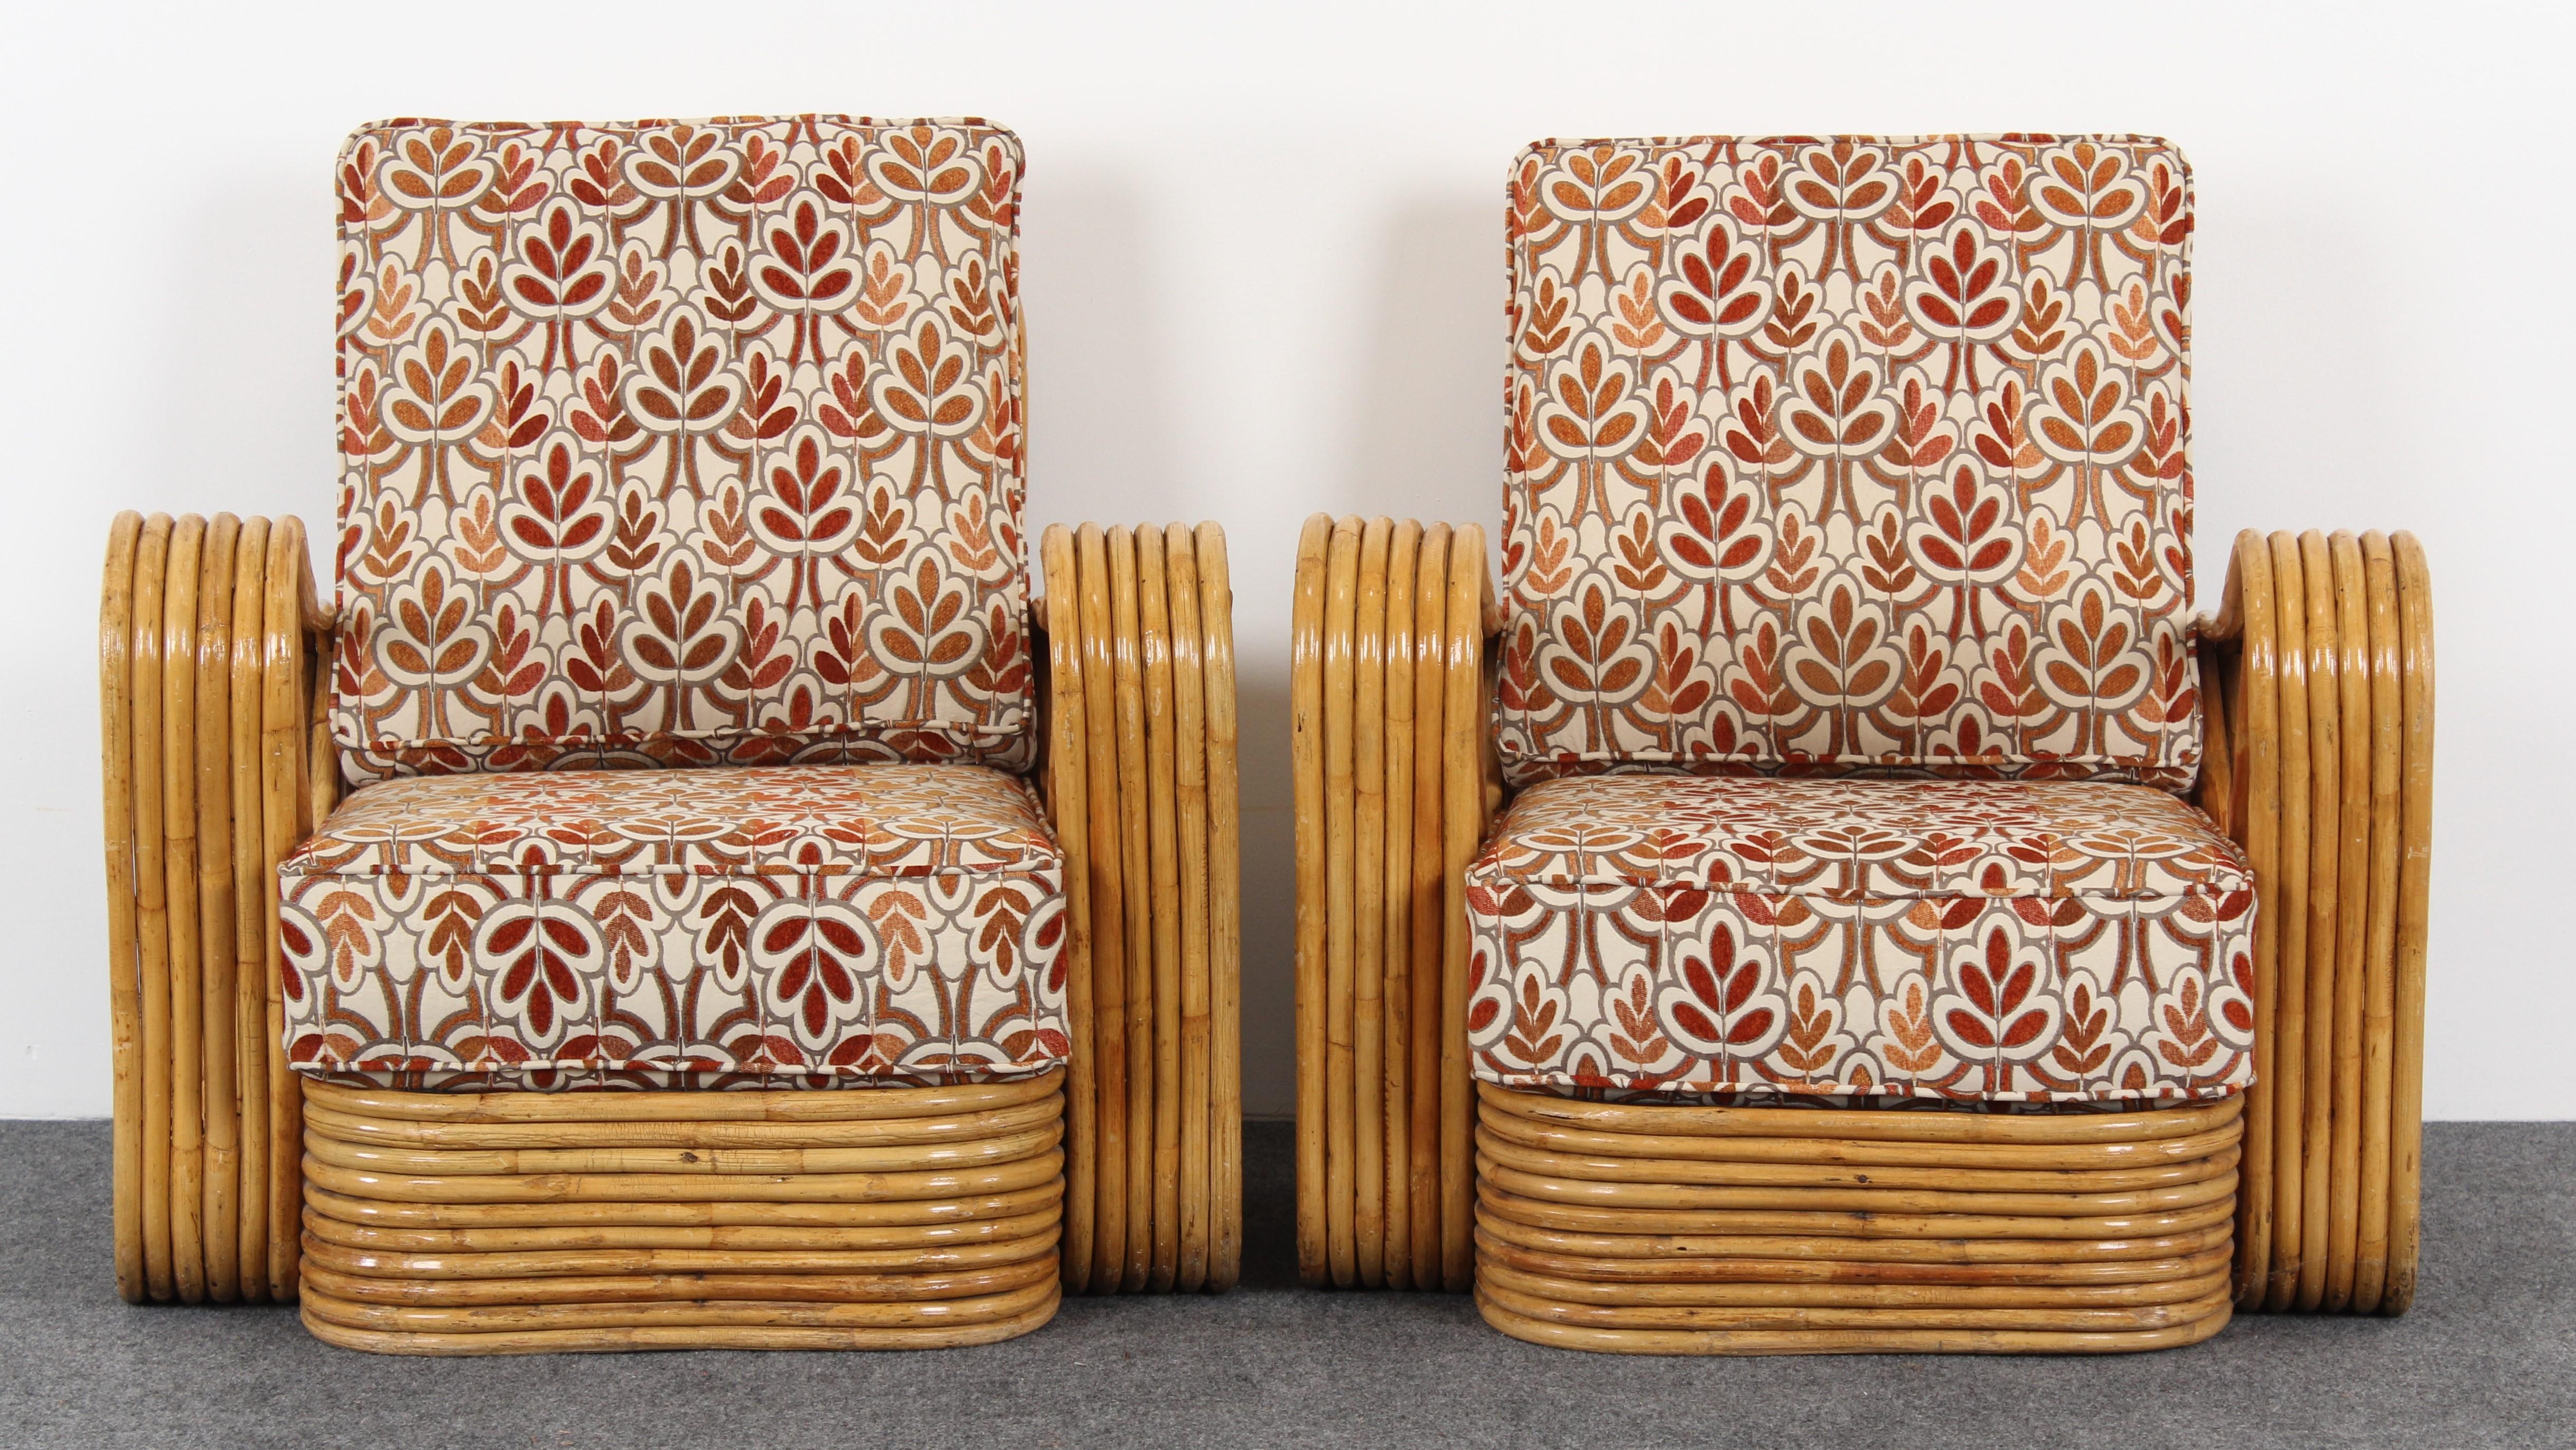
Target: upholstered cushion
1993	940
679	444
683	927
1835	454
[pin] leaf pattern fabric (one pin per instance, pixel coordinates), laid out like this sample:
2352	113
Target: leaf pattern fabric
672	443
747	926
2003	941
1835	454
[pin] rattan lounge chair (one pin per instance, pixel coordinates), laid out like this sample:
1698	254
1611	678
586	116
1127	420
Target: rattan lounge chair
1814	905
752	919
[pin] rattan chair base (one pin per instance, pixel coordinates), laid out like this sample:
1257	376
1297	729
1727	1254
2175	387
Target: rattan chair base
2082	1233
769	1326
523	1223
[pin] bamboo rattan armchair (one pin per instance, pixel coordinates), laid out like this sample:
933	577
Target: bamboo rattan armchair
664	446
1805	818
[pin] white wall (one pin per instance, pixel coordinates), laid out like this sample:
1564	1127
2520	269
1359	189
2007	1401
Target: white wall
1263	257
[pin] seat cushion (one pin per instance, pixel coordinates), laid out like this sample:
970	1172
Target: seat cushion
840	924
1836	453
2003	941
674	443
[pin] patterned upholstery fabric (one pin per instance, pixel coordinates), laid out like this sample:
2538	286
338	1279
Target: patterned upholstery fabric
1995	940
823	924
1835	455
679	444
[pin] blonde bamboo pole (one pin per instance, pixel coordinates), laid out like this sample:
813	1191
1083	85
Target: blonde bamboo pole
1306	752
1225	910
1136	875
1501	1117
1494	1143
116	656
323	1249
622	1339
1190	787
1154	649
969	1211
253	924
2325	737
2414	880
929	1244
639	1289
755	1324
392	1158
1368	904
323	1117
152	908
1678	1317
2290	1021
1647	1280
1341	1148
2183	1284
1067	766
552	1188
2250	608
1859	1225
1603	1193
1871	1124
1403	564
218	912
1108	911
2379	990
2352	918
285	806
905	1106
1463	803
1613	1255
178	785
1428	899
1845	1341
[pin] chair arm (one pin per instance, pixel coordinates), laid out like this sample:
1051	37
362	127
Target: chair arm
1137	743
2317	686
1391	740
209	631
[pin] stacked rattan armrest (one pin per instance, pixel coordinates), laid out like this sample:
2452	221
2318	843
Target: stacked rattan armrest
2319	688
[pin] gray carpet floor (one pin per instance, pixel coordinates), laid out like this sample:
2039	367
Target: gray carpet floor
2488	1357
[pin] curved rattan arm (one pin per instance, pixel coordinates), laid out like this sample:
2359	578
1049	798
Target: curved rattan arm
2318	689
1139	775
209	633
1392	744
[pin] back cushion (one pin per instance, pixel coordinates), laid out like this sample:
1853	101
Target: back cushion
672	443
1835	455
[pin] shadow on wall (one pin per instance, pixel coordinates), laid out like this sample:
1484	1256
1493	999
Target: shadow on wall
1409	390
1425	442
248	428
1103	426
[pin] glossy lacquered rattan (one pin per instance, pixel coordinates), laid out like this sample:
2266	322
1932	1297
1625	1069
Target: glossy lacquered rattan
2317	693
887	1218
216	763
